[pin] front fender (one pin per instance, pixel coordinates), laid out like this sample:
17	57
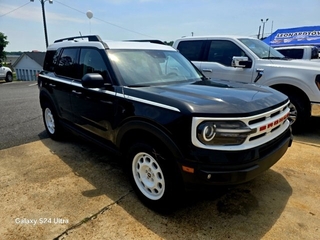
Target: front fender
134	127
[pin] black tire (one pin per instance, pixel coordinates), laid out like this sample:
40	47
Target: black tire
9	77
153	176
51	122
299	112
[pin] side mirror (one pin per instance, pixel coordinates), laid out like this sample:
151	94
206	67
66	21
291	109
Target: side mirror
241	62
92	80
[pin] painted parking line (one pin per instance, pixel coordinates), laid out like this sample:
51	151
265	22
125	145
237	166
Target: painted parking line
34	84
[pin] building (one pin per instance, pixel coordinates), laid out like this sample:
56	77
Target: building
28	65
11	59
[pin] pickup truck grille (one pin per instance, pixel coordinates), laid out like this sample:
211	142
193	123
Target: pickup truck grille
253	131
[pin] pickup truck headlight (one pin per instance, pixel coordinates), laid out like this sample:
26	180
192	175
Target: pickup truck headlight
223	132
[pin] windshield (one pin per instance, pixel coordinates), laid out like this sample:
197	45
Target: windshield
151	67
261	49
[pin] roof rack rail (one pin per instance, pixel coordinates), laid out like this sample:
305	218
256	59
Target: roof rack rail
91	38
147	40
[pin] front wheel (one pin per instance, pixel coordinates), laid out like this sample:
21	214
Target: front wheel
9	77
152	175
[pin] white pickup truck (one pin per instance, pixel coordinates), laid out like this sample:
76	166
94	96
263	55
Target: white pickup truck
300	52
250	60
5	73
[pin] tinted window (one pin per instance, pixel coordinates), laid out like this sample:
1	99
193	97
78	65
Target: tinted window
191	49
292	53
91	61
314	53
223	51
67	64
50	60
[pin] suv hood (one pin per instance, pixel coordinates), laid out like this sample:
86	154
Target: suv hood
216	97
294	63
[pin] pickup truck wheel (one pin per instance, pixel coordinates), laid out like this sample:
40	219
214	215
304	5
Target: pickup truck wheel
51	122
299	113
152	176
9	77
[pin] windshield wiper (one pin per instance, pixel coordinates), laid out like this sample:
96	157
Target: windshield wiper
138	85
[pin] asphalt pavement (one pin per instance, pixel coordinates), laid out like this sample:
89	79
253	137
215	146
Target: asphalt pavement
20	114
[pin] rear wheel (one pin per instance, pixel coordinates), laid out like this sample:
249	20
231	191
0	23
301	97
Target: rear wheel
51	122
9	77
152	175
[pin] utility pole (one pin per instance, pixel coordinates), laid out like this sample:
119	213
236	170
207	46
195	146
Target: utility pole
44	19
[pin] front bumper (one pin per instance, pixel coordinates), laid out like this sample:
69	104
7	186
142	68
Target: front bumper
235	170
315	109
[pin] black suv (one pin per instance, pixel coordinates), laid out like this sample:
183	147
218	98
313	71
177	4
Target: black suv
174	128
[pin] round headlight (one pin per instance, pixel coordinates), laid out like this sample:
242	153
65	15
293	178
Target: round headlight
208	133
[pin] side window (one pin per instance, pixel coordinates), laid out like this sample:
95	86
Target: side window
50	60
67	65
91	61
292	53
222	52
191	49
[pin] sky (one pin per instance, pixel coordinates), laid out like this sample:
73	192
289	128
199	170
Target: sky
167	20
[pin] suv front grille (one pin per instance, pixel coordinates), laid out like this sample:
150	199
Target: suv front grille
263	128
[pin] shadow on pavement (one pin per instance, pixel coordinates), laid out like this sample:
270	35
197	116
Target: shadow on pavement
246	211
311	133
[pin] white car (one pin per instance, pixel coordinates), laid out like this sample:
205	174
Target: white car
5	74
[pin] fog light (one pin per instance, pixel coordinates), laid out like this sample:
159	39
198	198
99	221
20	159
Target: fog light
209	176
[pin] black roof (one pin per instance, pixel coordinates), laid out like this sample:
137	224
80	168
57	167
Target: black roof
38	57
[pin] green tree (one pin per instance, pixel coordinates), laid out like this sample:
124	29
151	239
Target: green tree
3	44
168	43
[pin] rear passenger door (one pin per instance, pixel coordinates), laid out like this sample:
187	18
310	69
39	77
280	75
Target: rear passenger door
93	108
60	71
193	51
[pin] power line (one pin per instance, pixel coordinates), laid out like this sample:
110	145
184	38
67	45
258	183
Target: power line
14	9
102	20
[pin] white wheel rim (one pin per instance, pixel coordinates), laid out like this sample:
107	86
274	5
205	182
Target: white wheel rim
148	176
49	120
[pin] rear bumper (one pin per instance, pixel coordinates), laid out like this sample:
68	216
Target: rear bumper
315	109
263	158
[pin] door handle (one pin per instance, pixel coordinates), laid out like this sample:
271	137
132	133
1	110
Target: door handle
206	70
76	92
52	85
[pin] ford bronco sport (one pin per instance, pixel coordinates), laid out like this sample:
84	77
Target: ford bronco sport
174	128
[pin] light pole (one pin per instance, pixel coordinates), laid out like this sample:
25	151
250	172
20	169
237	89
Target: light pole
263	23
44	19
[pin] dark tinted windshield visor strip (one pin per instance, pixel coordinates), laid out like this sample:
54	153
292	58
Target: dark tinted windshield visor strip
78	84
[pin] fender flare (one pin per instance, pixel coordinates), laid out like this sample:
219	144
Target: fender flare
149	128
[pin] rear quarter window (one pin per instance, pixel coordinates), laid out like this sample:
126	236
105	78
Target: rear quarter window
50	60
